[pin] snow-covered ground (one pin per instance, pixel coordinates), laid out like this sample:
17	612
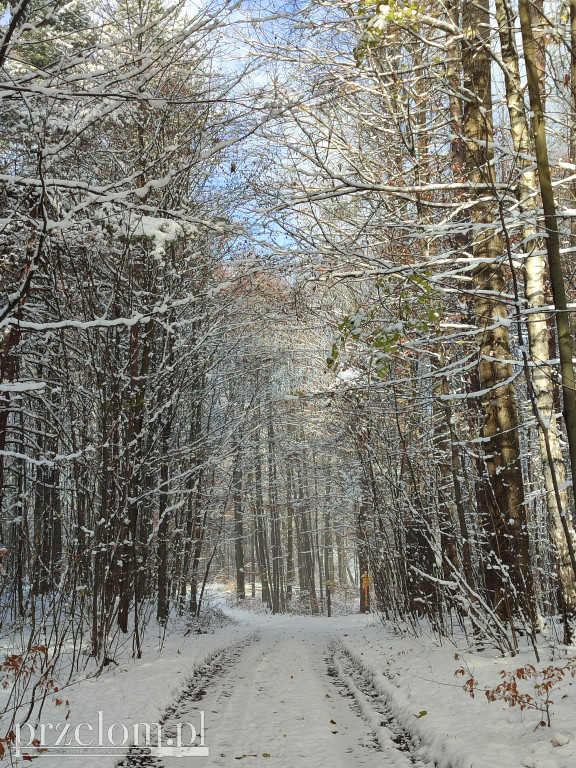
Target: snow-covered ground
335	692
417	676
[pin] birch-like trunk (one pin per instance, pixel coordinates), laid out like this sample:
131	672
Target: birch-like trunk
538	336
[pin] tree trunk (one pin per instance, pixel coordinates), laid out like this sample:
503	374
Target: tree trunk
238	525
163	601
536	295
509	574
289	530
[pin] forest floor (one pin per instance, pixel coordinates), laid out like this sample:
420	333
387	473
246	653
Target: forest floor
336	692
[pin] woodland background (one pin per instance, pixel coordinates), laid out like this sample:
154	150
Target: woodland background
286	298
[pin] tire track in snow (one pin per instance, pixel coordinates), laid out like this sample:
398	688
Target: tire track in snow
211	668
355	682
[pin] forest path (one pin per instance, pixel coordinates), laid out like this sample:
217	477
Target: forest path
291	695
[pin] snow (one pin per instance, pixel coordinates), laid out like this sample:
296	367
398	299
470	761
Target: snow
334	692
162	231
22	386
349	374
135	691
458	731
